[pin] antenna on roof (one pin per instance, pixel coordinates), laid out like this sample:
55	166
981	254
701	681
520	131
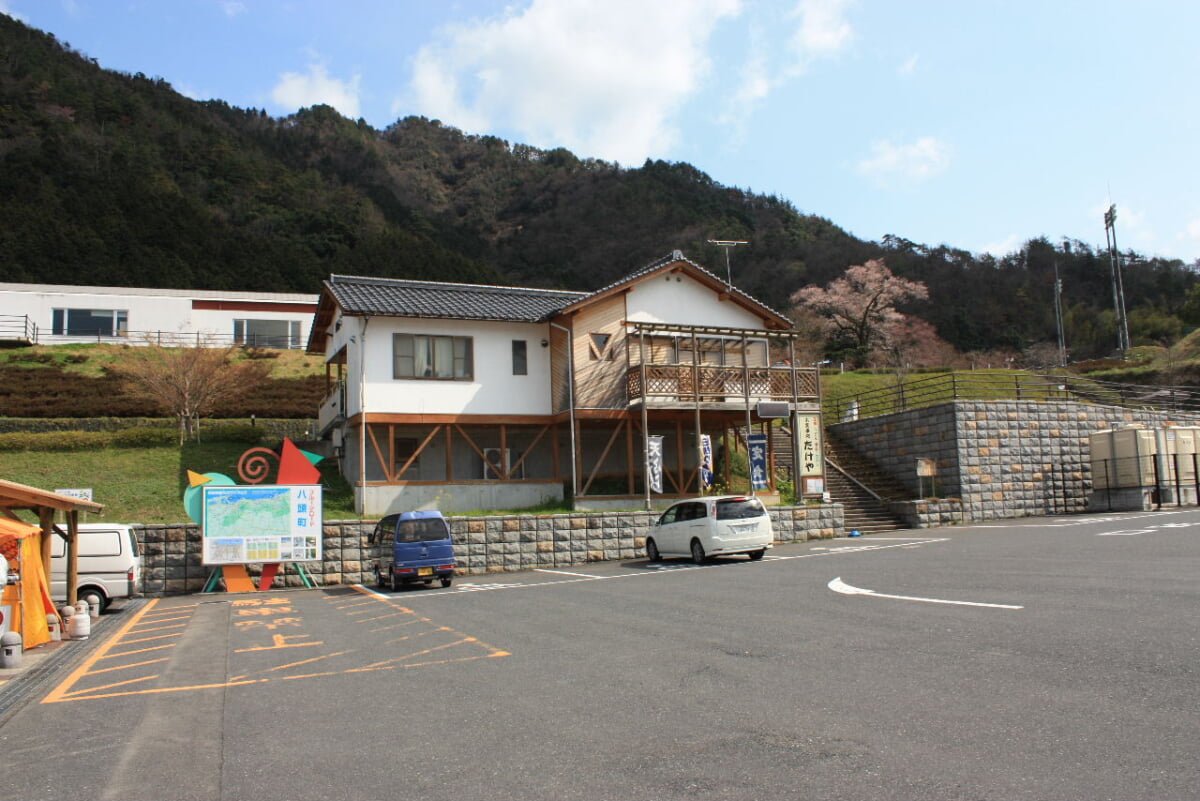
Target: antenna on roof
728	244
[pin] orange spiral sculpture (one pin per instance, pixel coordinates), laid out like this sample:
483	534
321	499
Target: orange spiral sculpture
255	464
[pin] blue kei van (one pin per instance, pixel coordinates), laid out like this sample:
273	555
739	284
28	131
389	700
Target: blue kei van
413	547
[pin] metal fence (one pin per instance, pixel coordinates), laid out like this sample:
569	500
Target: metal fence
1171	479
18	328
176	339
917	393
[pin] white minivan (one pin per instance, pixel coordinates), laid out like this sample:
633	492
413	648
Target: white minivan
110	565
715	526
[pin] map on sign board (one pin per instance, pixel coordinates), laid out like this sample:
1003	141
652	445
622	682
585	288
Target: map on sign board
261	524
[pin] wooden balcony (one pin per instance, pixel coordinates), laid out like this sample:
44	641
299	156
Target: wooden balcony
685	385
333	408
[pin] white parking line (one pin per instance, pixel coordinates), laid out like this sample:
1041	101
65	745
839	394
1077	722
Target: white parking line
461	588
564	573
837	585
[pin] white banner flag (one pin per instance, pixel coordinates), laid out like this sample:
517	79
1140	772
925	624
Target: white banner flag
654	463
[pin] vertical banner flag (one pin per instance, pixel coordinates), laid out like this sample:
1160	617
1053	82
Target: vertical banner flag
758	460
706	461
810	445
654	463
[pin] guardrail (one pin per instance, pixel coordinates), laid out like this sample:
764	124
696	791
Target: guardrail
982	385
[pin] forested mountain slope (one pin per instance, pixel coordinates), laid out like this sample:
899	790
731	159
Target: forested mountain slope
115	179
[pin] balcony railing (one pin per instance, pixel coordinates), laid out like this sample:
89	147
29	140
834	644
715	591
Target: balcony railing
333	407
685	383
18	328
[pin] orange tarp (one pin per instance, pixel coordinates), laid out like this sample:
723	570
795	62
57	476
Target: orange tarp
20	544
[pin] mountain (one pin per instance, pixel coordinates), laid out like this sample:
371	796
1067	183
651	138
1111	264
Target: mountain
108	178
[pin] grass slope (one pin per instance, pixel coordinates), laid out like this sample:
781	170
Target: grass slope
145	485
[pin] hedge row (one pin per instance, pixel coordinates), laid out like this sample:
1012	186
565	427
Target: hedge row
50	392
146	437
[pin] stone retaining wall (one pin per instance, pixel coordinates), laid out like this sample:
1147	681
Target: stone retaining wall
493	544
998	459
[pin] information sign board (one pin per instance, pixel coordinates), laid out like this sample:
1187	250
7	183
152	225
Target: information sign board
257	523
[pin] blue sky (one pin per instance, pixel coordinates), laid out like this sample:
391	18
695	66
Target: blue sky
973	123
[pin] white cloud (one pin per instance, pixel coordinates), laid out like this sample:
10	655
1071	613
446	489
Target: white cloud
232	8
6	9
296	90
909	67
918	161
603	78
1132	227
824	31
1001	248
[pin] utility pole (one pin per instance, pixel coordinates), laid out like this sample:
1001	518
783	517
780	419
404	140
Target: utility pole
728	244
1058	318
1114	258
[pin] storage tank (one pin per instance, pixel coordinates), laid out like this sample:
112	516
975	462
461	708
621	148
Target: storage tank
1183	444
1123	457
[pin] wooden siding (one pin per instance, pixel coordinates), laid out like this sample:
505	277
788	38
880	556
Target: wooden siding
600	384
560	370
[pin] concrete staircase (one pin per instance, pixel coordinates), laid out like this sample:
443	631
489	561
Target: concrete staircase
862	488
854	481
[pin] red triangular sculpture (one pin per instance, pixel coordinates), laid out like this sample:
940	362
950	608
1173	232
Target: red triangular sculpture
294	467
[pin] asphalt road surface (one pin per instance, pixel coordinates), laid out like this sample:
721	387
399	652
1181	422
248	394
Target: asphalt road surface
1035	659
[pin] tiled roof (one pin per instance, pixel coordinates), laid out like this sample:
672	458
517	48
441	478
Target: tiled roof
677	256
396	297
401	298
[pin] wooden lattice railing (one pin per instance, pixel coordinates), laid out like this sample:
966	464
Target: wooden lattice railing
687	383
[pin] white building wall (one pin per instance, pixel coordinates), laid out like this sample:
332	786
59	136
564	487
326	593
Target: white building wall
161	315
494	389
677	299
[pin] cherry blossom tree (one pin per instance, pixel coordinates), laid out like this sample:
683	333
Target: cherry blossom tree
859	309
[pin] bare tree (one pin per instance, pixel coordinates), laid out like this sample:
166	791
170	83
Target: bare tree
189	382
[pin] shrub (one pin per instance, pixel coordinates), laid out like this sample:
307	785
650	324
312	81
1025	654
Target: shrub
55	441
149	437
230	432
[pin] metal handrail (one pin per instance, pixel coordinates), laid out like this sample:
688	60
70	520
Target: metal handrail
180	339
18	327
854	480
928	391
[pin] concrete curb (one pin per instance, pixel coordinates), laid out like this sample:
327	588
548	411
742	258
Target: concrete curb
40	666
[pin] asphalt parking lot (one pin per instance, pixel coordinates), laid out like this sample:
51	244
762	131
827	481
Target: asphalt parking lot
1047	658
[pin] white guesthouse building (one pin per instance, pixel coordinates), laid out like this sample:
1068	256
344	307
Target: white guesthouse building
49	314
461	397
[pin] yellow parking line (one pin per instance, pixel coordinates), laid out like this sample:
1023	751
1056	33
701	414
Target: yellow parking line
59	693
125	667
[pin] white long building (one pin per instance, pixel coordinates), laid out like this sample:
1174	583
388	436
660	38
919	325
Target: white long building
51	314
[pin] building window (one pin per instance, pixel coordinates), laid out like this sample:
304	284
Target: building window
90	322
520	357
435	357
600	348
404	449
267	333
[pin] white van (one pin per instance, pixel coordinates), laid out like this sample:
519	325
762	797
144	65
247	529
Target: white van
110	565
718	525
